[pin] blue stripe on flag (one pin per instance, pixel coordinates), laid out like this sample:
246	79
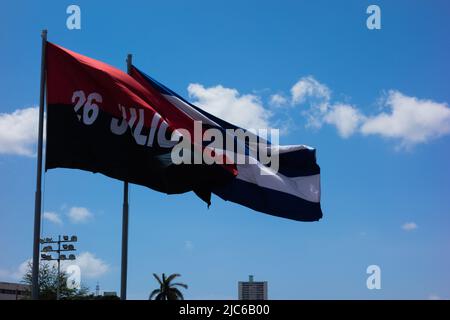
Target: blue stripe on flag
298	163
270	201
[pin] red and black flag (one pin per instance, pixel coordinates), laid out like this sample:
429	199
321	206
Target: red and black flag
102	120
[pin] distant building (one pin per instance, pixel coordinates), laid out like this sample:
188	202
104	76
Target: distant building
252	290
13	291
110	294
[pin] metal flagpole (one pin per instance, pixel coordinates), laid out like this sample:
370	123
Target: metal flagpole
38	194
123	275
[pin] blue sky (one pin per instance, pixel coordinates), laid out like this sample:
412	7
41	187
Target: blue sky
373	102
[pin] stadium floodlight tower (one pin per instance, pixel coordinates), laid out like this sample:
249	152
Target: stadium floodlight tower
67	246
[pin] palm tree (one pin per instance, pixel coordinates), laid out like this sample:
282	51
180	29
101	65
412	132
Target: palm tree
167	290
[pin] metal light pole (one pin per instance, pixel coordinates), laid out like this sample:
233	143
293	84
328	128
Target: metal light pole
59	257
58	282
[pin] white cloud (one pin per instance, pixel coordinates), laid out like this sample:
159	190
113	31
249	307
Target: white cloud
434	297
346	118
315	96
53	217
188	245
90	265
15	274
320	109
278	100
315	114
411	120
19	131
308	87
242	110
409	226
79	214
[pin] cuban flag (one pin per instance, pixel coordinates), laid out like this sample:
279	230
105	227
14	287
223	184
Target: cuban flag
292	191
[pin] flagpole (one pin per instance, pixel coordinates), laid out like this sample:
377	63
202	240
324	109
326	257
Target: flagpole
124	268
38	194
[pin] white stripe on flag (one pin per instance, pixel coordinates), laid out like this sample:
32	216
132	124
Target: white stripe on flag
305	187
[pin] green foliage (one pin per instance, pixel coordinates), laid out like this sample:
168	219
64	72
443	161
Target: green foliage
48	283
167	289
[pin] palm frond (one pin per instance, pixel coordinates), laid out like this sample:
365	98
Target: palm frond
179	284
160	296
173	276
154	292
177	293
167	290
157	278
